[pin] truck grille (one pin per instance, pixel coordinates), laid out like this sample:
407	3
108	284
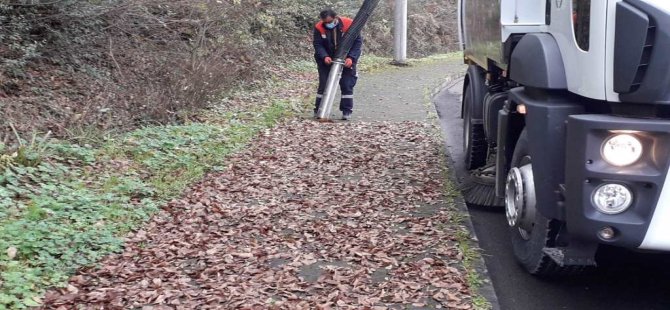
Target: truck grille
646	57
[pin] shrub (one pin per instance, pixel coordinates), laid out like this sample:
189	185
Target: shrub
72	65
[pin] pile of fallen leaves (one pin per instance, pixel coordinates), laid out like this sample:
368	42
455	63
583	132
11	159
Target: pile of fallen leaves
311	216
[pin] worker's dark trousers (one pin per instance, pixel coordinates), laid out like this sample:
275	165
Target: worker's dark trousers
347	84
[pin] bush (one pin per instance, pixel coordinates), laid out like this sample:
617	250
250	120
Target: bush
72	65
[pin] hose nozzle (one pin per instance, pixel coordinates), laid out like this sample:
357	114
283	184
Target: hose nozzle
330	92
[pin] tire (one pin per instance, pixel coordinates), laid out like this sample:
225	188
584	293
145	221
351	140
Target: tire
529	248
474	137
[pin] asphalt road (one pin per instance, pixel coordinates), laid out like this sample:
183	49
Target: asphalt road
624	279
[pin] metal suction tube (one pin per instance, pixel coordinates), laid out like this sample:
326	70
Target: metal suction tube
330	92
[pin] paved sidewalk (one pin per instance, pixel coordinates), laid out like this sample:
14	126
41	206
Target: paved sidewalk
310	216
399	94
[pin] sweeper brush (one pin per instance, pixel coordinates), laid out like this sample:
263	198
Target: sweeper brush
479	189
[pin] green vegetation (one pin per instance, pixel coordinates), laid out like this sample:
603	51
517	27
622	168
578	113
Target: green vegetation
467	246
56	218
439	57
372	63
70	204
471	258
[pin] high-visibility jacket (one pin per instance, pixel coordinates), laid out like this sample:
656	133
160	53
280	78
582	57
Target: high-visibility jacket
326	41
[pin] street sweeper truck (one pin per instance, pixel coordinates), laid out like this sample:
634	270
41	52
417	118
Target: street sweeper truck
566	108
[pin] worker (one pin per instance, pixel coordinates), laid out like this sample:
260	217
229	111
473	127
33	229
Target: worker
328	34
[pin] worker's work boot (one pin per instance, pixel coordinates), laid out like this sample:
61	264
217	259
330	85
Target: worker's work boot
346	116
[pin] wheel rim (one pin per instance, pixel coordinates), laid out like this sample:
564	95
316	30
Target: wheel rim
520	202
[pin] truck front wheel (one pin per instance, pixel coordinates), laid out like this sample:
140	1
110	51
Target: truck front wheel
474	138
530	231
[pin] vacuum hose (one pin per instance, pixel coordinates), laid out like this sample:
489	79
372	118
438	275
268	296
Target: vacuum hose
350	37
360	20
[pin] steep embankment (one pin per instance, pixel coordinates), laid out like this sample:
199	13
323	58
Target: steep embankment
84	67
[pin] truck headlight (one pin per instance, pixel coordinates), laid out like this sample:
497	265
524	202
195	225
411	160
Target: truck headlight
612	198
622	150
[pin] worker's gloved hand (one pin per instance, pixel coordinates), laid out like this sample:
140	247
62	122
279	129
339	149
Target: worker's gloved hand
328	60
349	63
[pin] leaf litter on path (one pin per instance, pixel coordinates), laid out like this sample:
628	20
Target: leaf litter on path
310	216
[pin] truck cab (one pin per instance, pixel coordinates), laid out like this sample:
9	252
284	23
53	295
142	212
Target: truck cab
567	104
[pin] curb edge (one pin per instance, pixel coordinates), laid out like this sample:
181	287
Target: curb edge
487	289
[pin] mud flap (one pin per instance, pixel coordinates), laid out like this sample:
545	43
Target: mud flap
577	254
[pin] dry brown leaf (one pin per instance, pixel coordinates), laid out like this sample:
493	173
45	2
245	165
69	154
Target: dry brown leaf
11	252
72	289
344	215
453	297
244	255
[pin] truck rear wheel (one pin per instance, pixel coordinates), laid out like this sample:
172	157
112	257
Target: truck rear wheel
530	231
474	138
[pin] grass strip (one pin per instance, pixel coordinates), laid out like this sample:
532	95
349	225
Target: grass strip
467	246
74	203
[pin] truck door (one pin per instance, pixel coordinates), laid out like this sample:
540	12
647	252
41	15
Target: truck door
580	29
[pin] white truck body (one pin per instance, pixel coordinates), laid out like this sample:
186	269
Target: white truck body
484	40
494	21
563	78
